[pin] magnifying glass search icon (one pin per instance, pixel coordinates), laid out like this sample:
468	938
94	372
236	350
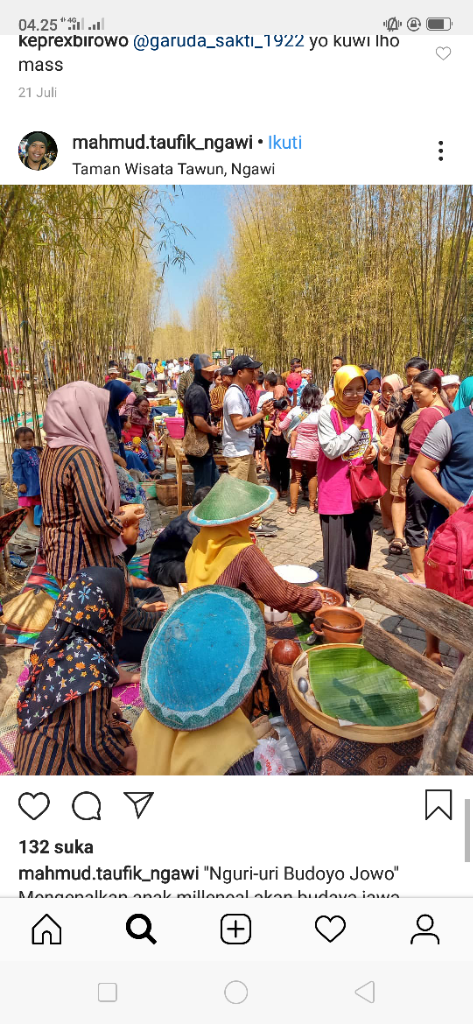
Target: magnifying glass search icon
146	934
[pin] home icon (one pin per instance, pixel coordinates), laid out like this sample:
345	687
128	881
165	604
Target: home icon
46	932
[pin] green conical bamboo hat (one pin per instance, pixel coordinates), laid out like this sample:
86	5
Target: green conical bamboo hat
232	501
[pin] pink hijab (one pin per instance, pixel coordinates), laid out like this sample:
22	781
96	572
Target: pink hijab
396	383
75	415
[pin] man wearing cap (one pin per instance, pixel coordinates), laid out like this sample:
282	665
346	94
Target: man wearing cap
197	443
451	385
239	423
35	157
112	373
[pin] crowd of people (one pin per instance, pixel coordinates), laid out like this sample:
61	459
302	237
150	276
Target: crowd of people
405	441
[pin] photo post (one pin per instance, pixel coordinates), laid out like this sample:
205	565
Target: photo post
236	486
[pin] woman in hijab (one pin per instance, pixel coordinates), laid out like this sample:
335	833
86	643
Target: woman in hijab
223	551
194	722
131	491
139	425
373	390
80	494
67	721
389	385
464	397
119	393
347	436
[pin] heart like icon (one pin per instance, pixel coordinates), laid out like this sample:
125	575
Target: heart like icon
33	804
443	52
330	927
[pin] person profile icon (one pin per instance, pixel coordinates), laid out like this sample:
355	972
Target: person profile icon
37	151
425	923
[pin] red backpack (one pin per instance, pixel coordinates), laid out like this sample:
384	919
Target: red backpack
449	559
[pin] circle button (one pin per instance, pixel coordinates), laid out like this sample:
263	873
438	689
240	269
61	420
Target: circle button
236	992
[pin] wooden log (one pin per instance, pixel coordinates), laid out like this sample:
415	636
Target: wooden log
400	656
446	618
461	716
433	754
6	557
465	761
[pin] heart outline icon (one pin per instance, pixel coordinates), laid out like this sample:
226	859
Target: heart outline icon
27	797
443	52
330	920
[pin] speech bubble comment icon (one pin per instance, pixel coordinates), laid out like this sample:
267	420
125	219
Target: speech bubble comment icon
87	807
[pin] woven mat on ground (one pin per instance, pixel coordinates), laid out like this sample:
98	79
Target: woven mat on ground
8	729
130	700
128	696
323	753
39	579
139	566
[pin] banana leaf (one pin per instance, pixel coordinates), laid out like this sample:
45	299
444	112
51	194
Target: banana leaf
350	684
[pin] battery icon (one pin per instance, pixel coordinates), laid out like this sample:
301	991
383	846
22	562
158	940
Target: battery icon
439	24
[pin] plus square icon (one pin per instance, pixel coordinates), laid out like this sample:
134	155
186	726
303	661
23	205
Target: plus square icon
235	929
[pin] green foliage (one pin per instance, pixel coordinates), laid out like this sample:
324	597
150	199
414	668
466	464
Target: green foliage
377	273
81	274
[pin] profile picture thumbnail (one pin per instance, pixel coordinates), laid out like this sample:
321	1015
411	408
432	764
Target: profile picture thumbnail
37	151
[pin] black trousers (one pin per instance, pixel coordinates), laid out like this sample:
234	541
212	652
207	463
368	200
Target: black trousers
347	541
205	469
132	642
418	510
279	465
131	645
168	574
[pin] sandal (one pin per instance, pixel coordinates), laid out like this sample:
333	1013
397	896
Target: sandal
396	546
292	511
313	506
409	578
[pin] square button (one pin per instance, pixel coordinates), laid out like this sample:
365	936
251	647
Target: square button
108	992
235	929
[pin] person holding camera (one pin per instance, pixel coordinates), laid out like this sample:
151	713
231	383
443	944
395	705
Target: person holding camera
301	427
239	423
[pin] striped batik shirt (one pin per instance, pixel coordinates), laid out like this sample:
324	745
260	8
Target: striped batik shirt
77	527
251	571
80	738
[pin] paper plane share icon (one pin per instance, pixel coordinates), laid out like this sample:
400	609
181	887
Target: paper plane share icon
140	801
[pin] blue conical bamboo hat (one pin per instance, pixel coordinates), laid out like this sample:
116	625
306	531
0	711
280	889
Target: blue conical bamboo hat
203	658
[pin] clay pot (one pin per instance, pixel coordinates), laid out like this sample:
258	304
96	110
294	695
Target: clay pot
285	652
341	624
330	598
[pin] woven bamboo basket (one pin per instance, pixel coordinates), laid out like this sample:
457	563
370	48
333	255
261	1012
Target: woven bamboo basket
363	733
166	492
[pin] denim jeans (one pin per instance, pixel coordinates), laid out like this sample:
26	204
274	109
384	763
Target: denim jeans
206	472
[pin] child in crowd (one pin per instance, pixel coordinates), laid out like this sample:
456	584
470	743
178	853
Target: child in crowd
26	474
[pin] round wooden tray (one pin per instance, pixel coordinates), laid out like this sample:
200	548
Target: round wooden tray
363	733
